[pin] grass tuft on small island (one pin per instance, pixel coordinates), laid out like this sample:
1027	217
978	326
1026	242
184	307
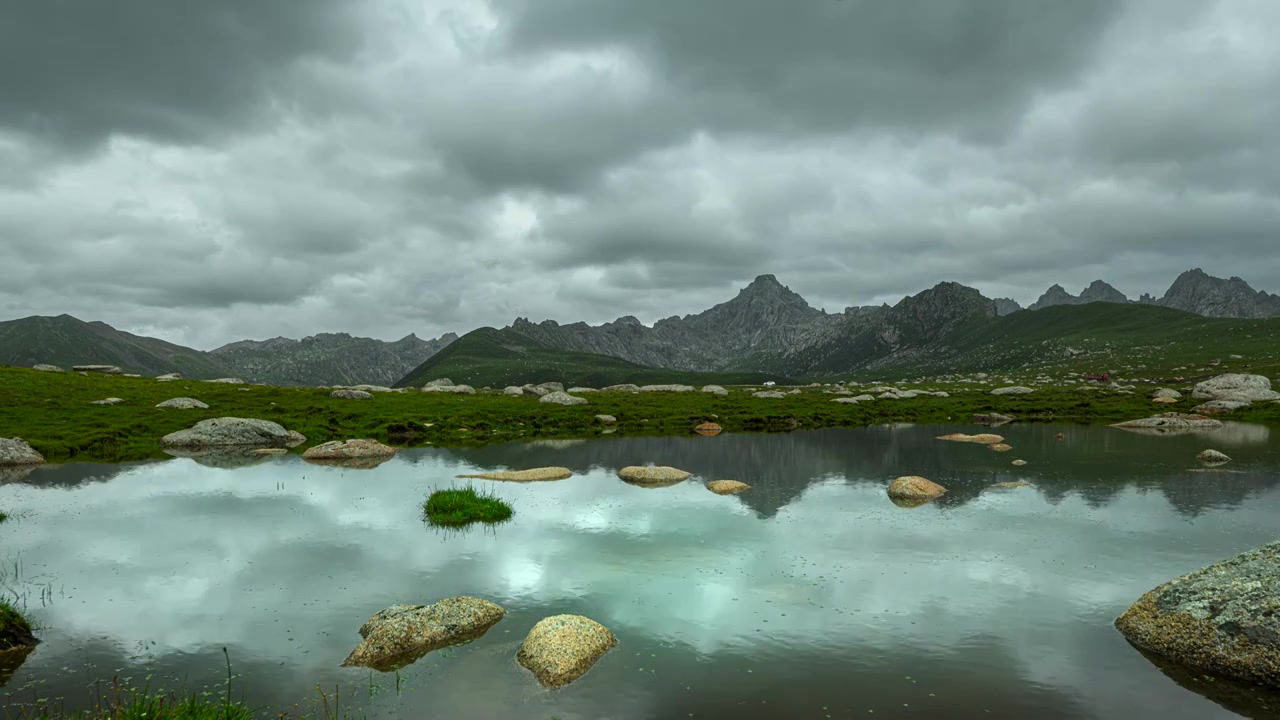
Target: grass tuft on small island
459	507
3	516
15	628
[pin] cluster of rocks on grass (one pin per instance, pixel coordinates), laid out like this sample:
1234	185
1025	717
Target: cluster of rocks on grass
557	650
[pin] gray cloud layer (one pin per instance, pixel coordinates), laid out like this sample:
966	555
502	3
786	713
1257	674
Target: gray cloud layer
207	172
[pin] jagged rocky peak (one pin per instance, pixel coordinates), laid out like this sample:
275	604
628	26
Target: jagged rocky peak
1097	291
1005	306
1199	292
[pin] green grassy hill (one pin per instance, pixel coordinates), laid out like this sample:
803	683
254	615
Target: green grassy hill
495	358
65	341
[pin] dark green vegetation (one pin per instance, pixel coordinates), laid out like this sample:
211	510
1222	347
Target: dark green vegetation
462	506
52	412
65	341
498	358
15	629
3	516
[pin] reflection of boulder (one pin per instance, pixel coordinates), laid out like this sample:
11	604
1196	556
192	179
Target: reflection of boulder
228	458
1244	699
353	463
399	635
16	474
10	661
1239	434
1170	424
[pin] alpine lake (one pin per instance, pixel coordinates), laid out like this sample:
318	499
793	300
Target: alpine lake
810	595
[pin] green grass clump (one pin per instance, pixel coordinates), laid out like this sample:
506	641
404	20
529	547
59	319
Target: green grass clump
15	629
463	506
3	516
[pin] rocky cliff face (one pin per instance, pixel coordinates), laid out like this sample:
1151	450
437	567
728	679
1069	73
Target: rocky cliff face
1198	292
1098	291
1006	306
328	359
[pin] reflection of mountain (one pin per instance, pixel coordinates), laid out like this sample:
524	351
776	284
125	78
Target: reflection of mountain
1095	463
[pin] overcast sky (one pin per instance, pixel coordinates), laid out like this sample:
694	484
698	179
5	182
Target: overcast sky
210	171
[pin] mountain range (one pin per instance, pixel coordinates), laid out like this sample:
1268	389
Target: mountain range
766	330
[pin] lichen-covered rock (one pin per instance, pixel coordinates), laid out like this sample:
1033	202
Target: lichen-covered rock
351	395
623	387
438	382
714	390
561	648
1000	447
514	390
16	451
169	377
233	431
104	369
348	449
455	389
1012	390
107	401
981	438
562	398
606	419
1236	386
1213	457
550	387
769	394
1217	407
913	490
1166	393
46	368
183	403
1223	619
531	475
727	487
653	475
667	388
1170	423
1019	462
401	634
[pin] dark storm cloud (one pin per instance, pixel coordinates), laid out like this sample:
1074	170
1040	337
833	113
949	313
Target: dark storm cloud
75	72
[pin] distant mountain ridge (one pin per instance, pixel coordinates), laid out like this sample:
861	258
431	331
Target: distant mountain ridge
1193	291
329	358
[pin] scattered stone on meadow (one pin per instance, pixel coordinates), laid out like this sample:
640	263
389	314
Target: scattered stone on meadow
1222	619
1217	407
46	368
667	388
1012	390
562	398
514	390
228	381
169	377
606	419
107	401
846	401
653	475
714	390
863	398
1213	457
1236	386
914	490
103	369
1019	462
1166	393
351	395
573	390
769	394
981	438
551	386
399	635
183	403
1000	447
1168	423
624	387
708	428
370	388
16	451
993	419
1164	400
233	431
131	375
561	648
1012	485
348	449
534	391
449	389
727	487
532	475
439	382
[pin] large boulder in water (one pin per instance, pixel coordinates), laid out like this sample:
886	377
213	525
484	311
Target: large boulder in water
727	487
912	490
339	450
1236	386
1223	619
16	451
233	431
399	635
1170	423
561	648
532	475
653	476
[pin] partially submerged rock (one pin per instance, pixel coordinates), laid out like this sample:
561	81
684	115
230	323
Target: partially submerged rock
981	438
560	397
912	490
1019	462
1000	447
708	428
16	452
1213	457
351	395
183	403
399	635
1170	423
233	431
1236	386
348	450
727	487
1223	619
531	475
653	475
561	648
104	369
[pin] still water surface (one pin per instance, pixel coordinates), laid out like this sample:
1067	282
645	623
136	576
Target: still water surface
809	596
